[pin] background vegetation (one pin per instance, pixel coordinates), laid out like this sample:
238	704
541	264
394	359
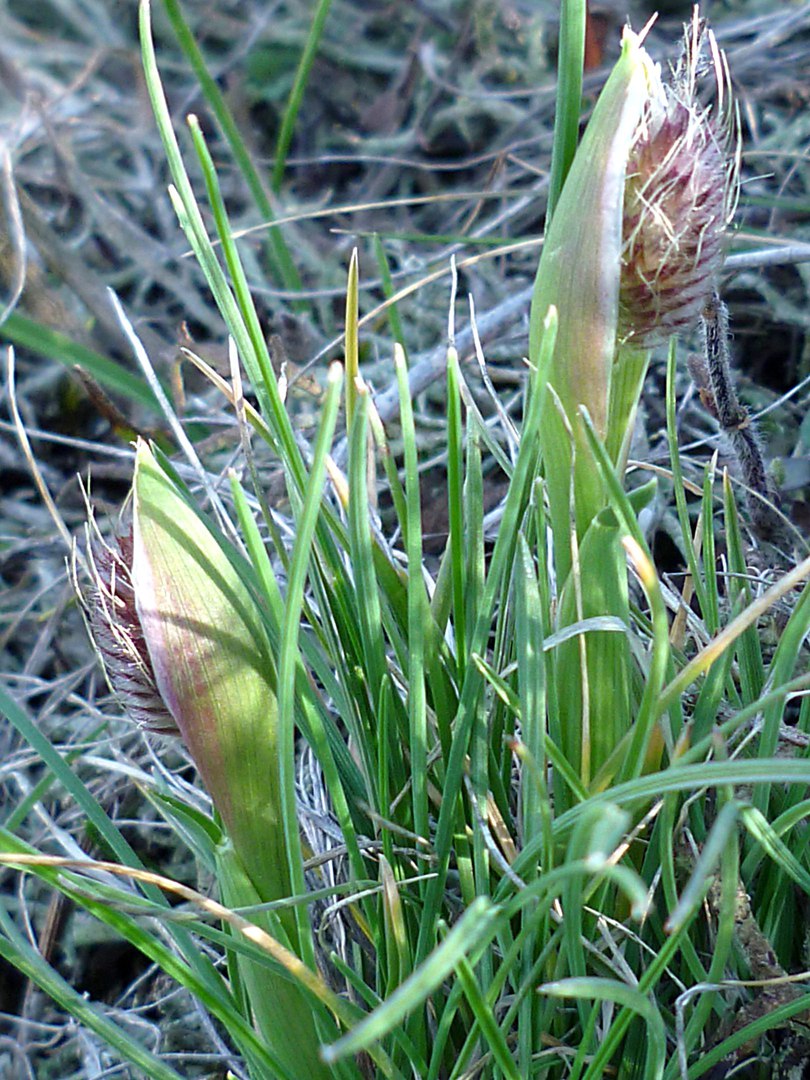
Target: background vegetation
412	132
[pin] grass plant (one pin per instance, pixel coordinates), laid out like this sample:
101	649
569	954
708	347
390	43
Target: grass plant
489	815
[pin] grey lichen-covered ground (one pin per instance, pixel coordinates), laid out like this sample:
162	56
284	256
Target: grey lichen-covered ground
424	131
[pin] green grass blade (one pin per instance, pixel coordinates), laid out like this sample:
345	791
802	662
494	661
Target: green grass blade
298	88
418	609
455	501
711	616
729	634
752	667
389	465
643	728
56	346
597	708
676	778
589	989
782	666
56	765
780	826
569	97
472	932
475	561
537	813
277	250
388	288
494	1039
288	660
767	837
111	907
692	896
251	346
500	566
329	744
17	951
692	561
367	596
237	307
750	1034
351	344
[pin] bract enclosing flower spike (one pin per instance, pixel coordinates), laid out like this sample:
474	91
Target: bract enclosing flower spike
631	255
184	649
680	194
182	641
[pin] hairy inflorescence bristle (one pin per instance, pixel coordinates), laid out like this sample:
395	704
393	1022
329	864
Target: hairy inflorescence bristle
115	628
680	193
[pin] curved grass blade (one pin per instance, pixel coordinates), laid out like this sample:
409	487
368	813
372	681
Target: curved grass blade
17	951
589	989
472	932
56	346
